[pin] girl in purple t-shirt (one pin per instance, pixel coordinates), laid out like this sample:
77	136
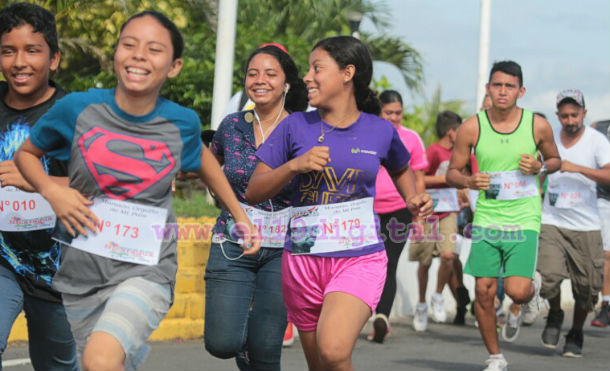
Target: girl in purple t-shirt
335	266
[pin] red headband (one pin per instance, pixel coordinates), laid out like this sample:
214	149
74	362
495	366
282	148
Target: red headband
279	46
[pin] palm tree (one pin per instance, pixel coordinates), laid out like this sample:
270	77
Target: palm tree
301	23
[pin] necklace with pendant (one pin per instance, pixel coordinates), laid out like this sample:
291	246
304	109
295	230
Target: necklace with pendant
323	133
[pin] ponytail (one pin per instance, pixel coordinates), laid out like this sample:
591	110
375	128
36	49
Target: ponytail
367	100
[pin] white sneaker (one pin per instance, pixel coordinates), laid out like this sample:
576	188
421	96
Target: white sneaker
496	364
438	308
420	319
529	313
510	330
531	309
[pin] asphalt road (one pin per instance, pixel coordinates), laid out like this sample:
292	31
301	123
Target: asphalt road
443	347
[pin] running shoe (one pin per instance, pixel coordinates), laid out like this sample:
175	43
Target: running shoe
603	317
496	364
420	319
288	336
528	314
510	330
530	310
438	308
573	345
381	328
552	330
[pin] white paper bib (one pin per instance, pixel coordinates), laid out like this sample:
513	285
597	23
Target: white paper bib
272	226
569	194
127	232
444	199
24	211
511	185
335	227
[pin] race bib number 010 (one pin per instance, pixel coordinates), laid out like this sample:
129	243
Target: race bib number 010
125	232
24	211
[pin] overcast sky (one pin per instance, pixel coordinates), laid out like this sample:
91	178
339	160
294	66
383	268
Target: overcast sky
559	44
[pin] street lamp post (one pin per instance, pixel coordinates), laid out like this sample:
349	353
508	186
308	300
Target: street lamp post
223	69
483	50
354	19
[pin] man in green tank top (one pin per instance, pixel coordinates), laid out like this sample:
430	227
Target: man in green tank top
505	139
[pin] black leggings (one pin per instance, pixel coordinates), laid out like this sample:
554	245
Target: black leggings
393	247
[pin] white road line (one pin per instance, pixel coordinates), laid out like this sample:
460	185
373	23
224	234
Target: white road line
16	362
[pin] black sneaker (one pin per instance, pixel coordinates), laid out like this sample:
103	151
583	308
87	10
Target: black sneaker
573	346
462	304
552	330
603	317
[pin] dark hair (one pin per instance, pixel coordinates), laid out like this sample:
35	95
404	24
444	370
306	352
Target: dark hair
390	96
296	98
508	67
41	20
446	121
540	114
174	33
346	50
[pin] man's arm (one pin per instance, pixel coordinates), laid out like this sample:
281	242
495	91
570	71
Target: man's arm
543	134
467	135
601	176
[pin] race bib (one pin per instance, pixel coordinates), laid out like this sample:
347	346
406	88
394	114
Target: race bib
474	197
126	232
335	227
569	194
272	226
24	211
444	199
511	185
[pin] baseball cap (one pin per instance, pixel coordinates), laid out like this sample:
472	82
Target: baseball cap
573	94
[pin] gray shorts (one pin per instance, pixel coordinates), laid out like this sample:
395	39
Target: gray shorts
575	255
604	217
130	312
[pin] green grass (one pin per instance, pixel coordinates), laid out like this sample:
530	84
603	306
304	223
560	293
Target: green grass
194	206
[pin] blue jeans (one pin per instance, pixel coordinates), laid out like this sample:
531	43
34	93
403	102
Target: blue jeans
245	316
51	344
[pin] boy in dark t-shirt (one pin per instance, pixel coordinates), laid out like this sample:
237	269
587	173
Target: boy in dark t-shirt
29	259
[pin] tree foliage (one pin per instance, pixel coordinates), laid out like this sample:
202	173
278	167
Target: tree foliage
89	29
423	117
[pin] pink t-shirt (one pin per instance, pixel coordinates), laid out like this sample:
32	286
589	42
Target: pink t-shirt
387	198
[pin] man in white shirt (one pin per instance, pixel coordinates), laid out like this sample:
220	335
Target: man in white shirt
603	204
570	238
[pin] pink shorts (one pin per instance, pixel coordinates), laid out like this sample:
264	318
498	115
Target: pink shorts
306	279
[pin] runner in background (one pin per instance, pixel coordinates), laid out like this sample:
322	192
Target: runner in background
392	209
28	260
439	234
603	205
245	316
570	239
505	139
123	144
334	267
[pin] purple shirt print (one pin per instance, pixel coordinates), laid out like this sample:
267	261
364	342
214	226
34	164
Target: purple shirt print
356	153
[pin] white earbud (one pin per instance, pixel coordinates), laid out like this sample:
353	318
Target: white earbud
287	88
